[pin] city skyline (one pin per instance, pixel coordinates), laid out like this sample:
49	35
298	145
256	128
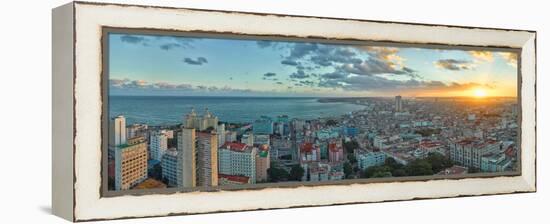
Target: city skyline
183	66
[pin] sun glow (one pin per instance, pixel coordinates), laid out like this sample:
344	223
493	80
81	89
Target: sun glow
480	93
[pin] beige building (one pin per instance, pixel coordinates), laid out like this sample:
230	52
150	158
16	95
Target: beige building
130	163
207	158
262	163
468	152
186	158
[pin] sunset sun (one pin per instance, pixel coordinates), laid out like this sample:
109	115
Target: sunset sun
480	93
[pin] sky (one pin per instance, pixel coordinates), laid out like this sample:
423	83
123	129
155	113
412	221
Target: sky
191	66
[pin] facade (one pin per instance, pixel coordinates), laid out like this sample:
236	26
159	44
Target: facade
158	145
230	136
137	130
187	167
468	152
496	162
220	129
368	159
238	159
264	125
262	163
170	167
130	163
207	159
335	151
261	140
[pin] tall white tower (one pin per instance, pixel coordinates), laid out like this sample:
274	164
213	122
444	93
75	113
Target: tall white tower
117	130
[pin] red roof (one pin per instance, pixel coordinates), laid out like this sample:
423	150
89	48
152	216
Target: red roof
332	147
234	178
235	146
306	147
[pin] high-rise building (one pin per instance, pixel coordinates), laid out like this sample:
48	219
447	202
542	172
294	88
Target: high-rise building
262	163
192	120
130	163
398	104
187	167
238	159
264	125
368	159
248	139
158	145
117	131
169	164
262	139
207	159
220	129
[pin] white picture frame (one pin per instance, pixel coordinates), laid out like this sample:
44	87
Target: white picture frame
77	110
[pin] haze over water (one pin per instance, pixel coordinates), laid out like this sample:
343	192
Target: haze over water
169	110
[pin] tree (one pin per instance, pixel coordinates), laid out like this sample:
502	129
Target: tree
381	174
331	122
277	174
438	162
371	171
419	168
351	145
351	158
399	173
296	173
348	169
390	162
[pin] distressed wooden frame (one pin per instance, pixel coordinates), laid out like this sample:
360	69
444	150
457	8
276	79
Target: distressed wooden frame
77	110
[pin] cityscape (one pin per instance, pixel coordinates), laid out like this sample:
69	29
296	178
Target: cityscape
199	112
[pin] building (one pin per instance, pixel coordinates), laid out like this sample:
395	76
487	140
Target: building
158	145
368	159
201	123
261	140
224	180
138	130
230	136
207	159
495	162
468	152
169	164
454	170
238	159
335	151
220	129
187	165
264	125
248	139
130	163
309	152
398	104
262	163
117	131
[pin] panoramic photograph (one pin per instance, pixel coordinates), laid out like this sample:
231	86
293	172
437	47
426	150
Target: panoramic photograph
192	112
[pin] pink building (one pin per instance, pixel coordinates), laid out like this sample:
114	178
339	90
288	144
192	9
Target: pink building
335	152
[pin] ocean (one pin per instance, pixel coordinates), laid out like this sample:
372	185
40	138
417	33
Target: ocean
169	110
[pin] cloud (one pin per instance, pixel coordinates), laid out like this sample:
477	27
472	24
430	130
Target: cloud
482	56
454	65
169	46
269	74
300	74
289	62
198	61
510	58
132	39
